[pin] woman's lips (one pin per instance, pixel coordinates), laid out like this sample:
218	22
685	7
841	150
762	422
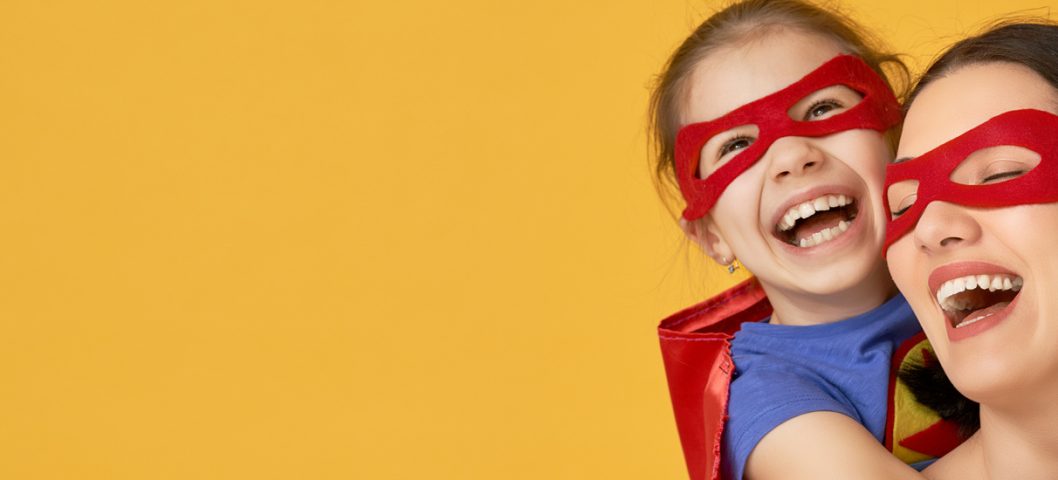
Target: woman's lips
973	296
980	321
954	270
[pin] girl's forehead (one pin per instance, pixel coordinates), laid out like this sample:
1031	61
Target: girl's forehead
732	76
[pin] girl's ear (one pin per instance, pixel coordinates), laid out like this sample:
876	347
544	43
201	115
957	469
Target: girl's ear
707	235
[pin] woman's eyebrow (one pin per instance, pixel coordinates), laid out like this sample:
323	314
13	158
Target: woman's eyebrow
903	159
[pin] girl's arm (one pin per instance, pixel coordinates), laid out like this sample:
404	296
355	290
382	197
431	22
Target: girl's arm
823	445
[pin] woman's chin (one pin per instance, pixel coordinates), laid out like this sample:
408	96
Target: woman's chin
990	373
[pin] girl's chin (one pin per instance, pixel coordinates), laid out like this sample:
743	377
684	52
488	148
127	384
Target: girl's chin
833	281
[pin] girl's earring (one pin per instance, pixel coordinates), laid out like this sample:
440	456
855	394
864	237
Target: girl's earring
734	265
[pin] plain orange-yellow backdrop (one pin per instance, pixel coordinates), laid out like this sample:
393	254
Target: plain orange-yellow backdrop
333	240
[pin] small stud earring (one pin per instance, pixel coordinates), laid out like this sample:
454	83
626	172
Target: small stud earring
734	265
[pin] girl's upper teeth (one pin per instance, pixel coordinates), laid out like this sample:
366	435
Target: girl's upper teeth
809	208
991	283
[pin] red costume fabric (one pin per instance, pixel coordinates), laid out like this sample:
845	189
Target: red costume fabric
696	349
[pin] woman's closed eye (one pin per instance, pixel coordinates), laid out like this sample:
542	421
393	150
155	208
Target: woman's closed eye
904	206
995	165
904	209
902	196
1002	176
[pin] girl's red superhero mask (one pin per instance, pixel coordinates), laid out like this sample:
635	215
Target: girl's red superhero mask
1029	129
878	110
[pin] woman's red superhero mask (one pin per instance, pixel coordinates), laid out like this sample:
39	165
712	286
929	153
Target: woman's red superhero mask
1030	129
878	110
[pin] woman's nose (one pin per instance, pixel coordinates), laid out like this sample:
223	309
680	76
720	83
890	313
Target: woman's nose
945	226
793	157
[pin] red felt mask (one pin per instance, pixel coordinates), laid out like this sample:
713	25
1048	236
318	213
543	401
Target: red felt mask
878	110
1029	182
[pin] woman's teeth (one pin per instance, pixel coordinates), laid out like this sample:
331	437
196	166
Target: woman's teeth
809	208
992	283
824	236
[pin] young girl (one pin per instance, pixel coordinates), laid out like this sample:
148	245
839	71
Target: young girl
975	207
772	119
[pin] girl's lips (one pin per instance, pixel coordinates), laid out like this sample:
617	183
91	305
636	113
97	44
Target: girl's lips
809	195
853	234
814	217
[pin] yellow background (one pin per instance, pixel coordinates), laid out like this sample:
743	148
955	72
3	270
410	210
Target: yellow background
333	240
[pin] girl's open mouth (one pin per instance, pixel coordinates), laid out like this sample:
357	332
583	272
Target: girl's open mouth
817	221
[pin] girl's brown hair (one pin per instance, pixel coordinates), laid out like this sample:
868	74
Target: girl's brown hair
740	22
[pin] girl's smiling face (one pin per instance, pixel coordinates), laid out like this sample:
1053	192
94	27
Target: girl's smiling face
995	340
807	218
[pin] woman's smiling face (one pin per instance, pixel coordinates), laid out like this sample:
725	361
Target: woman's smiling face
807	218
980	279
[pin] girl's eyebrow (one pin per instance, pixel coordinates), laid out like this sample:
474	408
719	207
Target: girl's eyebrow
903	159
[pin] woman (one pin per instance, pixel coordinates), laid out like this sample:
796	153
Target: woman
974	200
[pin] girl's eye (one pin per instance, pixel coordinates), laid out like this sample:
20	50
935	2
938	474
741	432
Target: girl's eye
821	109
738	143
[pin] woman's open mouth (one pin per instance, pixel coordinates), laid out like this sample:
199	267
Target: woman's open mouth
972	298
817	221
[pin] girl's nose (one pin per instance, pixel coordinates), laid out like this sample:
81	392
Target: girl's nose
793	157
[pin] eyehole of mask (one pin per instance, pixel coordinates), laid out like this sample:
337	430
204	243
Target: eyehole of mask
724	146
901	196
995	165
824	103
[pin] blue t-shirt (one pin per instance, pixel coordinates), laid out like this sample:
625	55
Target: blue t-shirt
784	371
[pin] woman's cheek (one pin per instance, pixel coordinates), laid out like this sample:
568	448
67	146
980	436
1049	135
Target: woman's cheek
901	263
910	276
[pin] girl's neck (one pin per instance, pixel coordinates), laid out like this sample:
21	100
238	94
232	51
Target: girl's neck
799	308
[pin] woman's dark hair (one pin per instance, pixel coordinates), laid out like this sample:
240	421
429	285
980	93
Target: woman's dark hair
1032	43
